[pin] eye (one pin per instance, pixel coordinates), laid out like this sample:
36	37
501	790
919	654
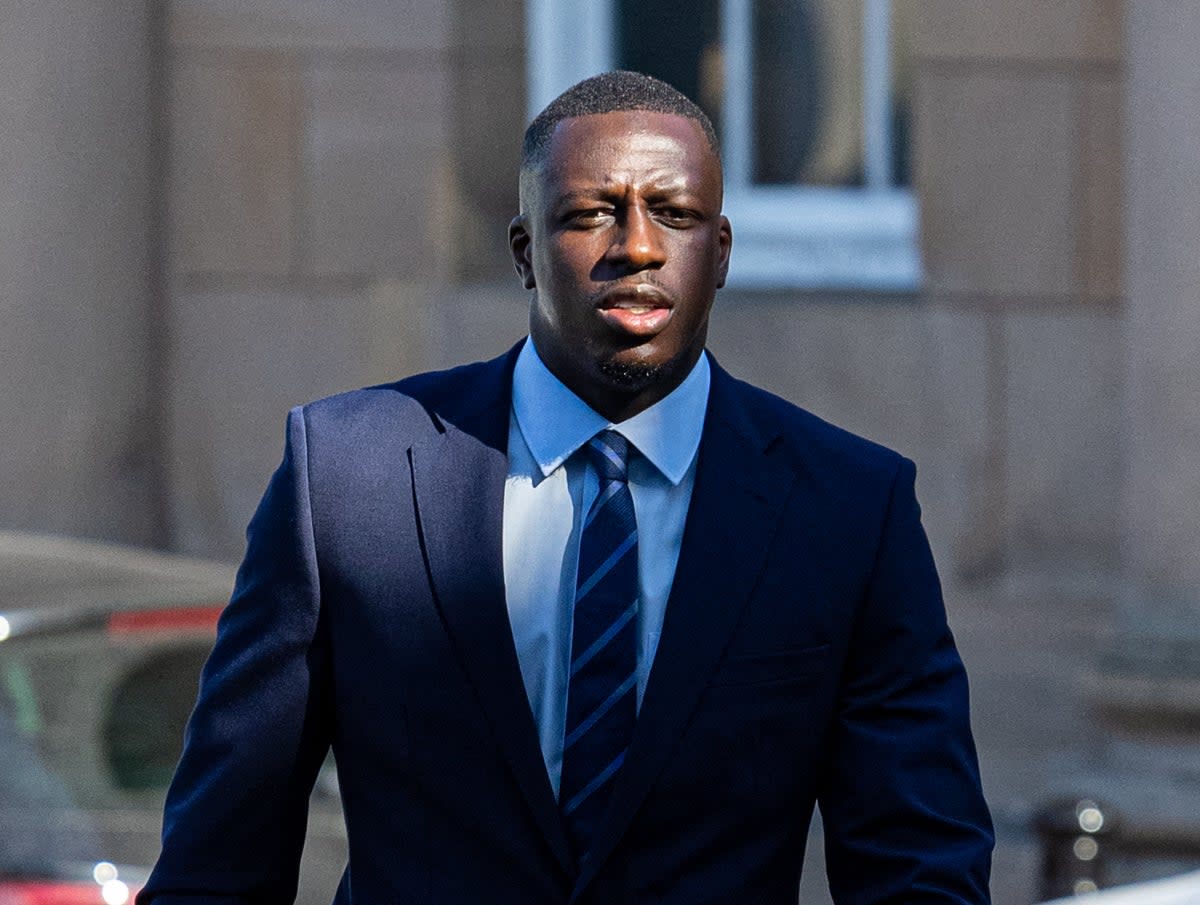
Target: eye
587	216
675	216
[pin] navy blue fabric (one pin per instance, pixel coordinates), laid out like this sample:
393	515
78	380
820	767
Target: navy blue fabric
602	689
805	658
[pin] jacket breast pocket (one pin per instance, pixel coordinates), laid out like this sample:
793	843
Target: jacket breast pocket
795	665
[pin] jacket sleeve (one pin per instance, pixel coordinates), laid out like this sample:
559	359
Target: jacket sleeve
235	816
903	810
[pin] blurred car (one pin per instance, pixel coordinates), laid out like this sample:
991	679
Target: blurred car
1181	890
101	648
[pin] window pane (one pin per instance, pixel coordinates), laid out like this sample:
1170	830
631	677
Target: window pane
676	42
808	64
902	93
806	69
804	94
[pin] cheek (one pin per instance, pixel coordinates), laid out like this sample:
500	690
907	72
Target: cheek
700	250
567	269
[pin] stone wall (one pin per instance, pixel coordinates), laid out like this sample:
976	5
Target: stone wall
78	451
310	207
1018	152
332	171
336	185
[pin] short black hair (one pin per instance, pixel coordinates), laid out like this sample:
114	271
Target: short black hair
611	92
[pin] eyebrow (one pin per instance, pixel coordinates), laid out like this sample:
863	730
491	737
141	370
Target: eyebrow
605	192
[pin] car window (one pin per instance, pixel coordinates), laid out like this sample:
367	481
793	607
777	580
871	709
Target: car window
147	714
105	712
34	829
18	701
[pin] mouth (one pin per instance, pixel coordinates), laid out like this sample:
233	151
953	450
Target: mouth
638	310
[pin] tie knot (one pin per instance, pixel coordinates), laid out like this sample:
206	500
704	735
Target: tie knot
609	452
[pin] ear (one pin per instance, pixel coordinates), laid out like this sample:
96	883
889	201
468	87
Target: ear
520	243
725	243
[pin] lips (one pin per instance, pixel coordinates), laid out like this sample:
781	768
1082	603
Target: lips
638	310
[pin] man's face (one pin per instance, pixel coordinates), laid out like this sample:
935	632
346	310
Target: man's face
621	234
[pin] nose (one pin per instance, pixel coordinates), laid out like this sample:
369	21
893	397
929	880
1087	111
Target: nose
636	244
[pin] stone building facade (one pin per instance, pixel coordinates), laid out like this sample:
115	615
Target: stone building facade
214	210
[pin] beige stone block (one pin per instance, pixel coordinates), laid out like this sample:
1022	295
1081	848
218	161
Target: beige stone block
1163	496
401	327
1074	30
1024	651
1064	439
995	156
958	449
493	25
853	362
310	24
77	447
1104	31
1101	162
242	357
911	376
377	201
234	134
240	360
489	122
476	322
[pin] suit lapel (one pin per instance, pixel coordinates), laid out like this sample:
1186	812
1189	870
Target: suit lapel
458	484
733	514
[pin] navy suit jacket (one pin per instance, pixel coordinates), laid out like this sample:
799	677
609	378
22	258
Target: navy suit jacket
805	657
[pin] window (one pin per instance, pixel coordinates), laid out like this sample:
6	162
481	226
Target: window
148	711
811	100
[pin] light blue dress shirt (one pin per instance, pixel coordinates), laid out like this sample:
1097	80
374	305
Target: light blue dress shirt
546	496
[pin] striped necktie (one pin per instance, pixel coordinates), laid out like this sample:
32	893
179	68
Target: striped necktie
602	689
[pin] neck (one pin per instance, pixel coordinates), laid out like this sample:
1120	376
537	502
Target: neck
617	406
618	393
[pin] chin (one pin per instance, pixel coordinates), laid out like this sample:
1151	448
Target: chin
633	376
639	368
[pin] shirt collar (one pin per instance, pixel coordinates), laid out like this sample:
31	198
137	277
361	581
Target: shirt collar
555	422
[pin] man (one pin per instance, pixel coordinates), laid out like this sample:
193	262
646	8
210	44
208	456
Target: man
591	622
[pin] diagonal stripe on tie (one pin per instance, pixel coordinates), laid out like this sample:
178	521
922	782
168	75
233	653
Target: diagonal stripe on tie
606	566
582	795
610	490
598	645
607	451
598	714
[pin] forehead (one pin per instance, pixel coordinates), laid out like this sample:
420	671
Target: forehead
604	147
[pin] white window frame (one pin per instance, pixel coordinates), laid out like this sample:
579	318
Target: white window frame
804	237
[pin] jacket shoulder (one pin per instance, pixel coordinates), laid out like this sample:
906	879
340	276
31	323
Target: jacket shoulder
420	402
815	445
